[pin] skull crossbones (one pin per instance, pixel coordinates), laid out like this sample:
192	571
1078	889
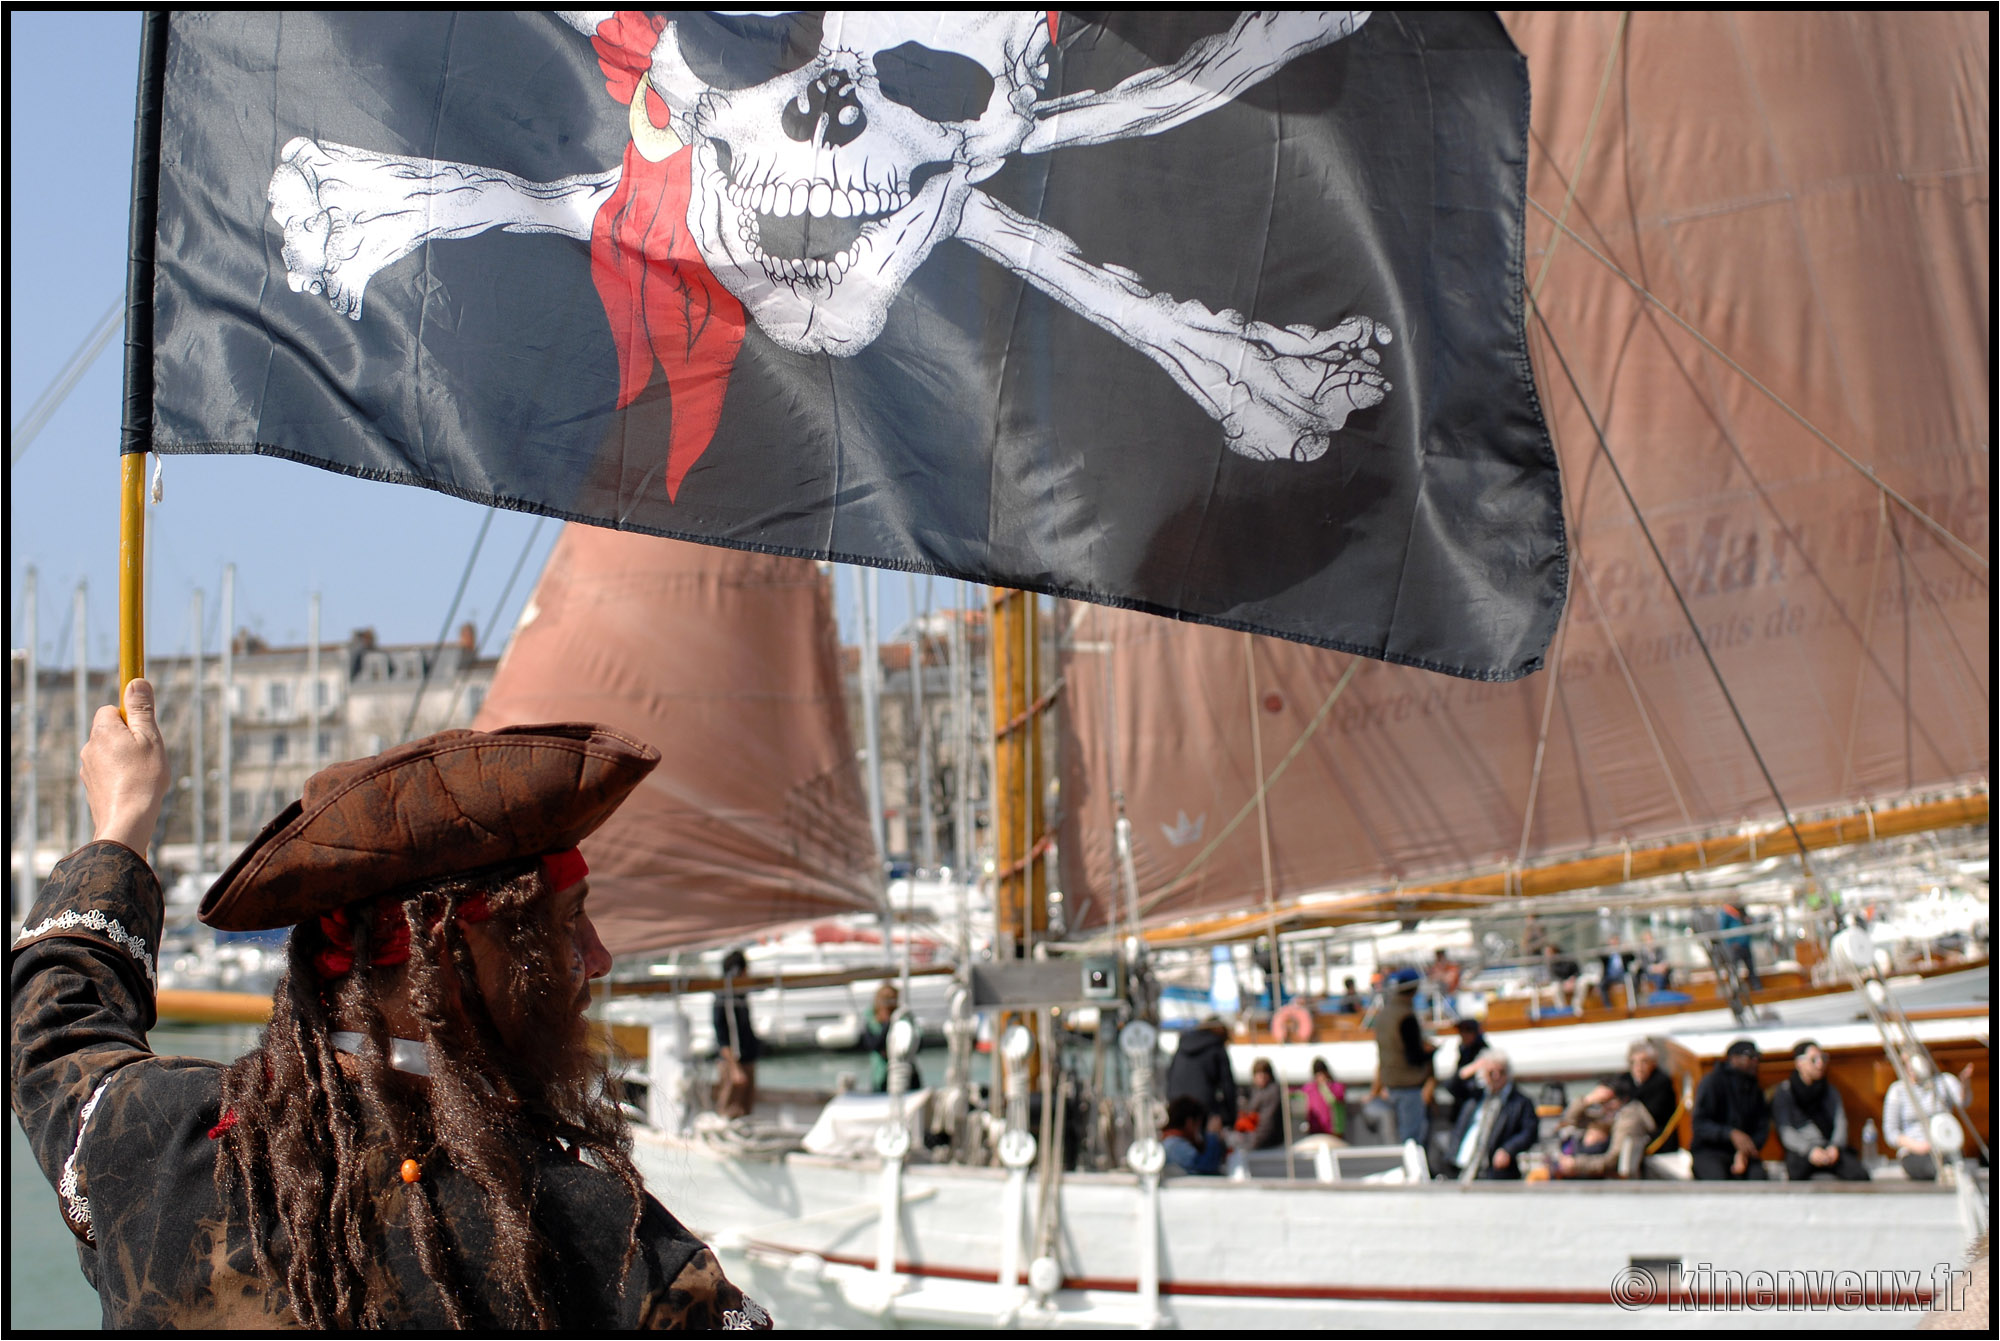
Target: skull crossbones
819	191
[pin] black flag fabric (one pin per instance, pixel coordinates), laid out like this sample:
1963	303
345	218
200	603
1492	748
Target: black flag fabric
1212	314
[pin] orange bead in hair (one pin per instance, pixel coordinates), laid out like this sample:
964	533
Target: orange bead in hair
410	1171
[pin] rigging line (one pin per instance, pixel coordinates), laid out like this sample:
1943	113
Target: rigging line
1785	529
66	378
465	668
423	682
1583	151
1867	640
1173	886
1632	687
1866	470
1903	588
1680	598
1541	743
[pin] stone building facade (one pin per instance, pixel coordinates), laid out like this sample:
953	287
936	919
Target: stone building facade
285	723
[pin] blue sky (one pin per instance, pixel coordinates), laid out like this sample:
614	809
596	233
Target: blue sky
378	555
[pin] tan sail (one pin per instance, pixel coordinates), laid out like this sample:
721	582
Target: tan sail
1809	193
727	663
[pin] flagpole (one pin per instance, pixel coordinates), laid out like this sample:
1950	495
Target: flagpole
137	435
131	572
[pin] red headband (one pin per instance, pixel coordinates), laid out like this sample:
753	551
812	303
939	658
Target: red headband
392	929
564	869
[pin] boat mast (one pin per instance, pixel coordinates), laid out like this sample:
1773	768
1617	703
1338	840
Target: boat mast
920	736
197	769
32	828
961	738
1021	885
871	672
80	649
226	706
312	686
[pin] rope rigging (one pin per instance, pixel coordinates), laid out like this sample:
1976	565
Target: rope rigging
1680	598
1978	562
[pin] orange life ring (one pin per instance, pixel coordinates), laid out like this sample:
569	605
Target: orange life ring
1292	1024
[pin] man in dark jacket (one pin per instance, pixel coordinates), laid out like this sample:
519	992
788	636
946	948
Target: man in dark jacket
1731	1119
423	1138
1200	1071
1493	1131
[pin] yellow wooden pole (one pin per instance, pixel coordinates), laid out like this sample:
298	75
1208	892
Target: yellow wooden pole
131	571
1009	763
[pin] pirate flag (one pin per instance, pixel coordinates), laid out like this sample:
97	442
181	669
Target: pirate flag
1215	315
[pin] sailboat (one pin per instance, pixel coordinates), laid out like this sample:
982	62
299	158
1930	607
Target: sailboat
1757	278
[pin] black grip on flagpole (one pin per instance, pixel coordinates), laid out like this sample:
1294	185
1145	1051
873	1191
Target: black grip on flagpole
138	421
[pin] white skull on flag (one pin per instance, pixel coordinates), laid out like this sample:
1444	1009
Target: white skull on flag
828	154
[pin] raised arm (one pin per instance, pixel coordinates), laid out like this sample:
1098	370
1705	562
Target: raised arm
81	976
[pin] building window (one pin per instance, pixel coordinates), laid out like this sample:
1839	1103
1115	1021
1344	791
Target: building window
278	697
375	666
325	744
325	687
239	748
281	746
236	699
475	697
239	806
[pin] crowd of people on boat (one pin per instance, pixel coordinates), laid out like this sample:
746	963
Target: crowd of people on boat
1479	1123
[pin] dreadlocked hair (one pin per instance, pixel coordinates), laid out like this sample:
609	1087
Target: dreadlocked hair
298	1149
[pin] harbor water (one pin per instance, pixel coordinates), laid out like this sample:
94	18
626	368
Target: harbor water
47	1288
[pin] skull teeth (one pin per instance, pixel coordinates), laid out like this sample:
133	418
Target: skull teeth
816	199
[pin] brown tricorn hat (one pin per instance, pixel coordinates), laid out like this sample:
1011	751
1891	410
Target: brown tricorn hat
454	802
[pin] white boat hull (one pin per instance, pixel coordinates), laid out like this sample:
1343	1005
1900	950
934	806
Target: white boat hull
800	1233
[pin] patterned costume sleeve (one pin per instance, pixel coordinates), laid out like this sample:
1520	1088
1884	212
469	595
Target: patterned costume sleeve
701	1299
81	982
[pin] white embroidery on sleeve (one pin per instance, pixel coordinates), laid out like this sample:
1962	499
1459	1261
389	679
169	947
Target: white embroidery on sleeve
70	919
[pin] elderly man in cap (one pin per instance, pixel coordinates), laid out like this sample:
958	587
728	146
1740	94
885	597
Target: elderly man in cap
1402	1057
423	1138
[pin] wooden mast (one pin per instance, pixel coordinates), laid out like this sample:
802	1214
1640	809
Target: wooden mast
1021	883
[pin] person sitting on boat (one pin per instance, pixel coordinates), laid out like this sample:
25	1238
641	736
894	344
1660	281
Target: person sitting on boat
737	1044
1193	1137
1731	1118
1659	974
1200	1070
1562	973
1326	1103
1403	1069
423	1137
1611	1132
1812	1122
875	1040
1350	1001
1491	1134
1265	1103
1651	1087
1907	1112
